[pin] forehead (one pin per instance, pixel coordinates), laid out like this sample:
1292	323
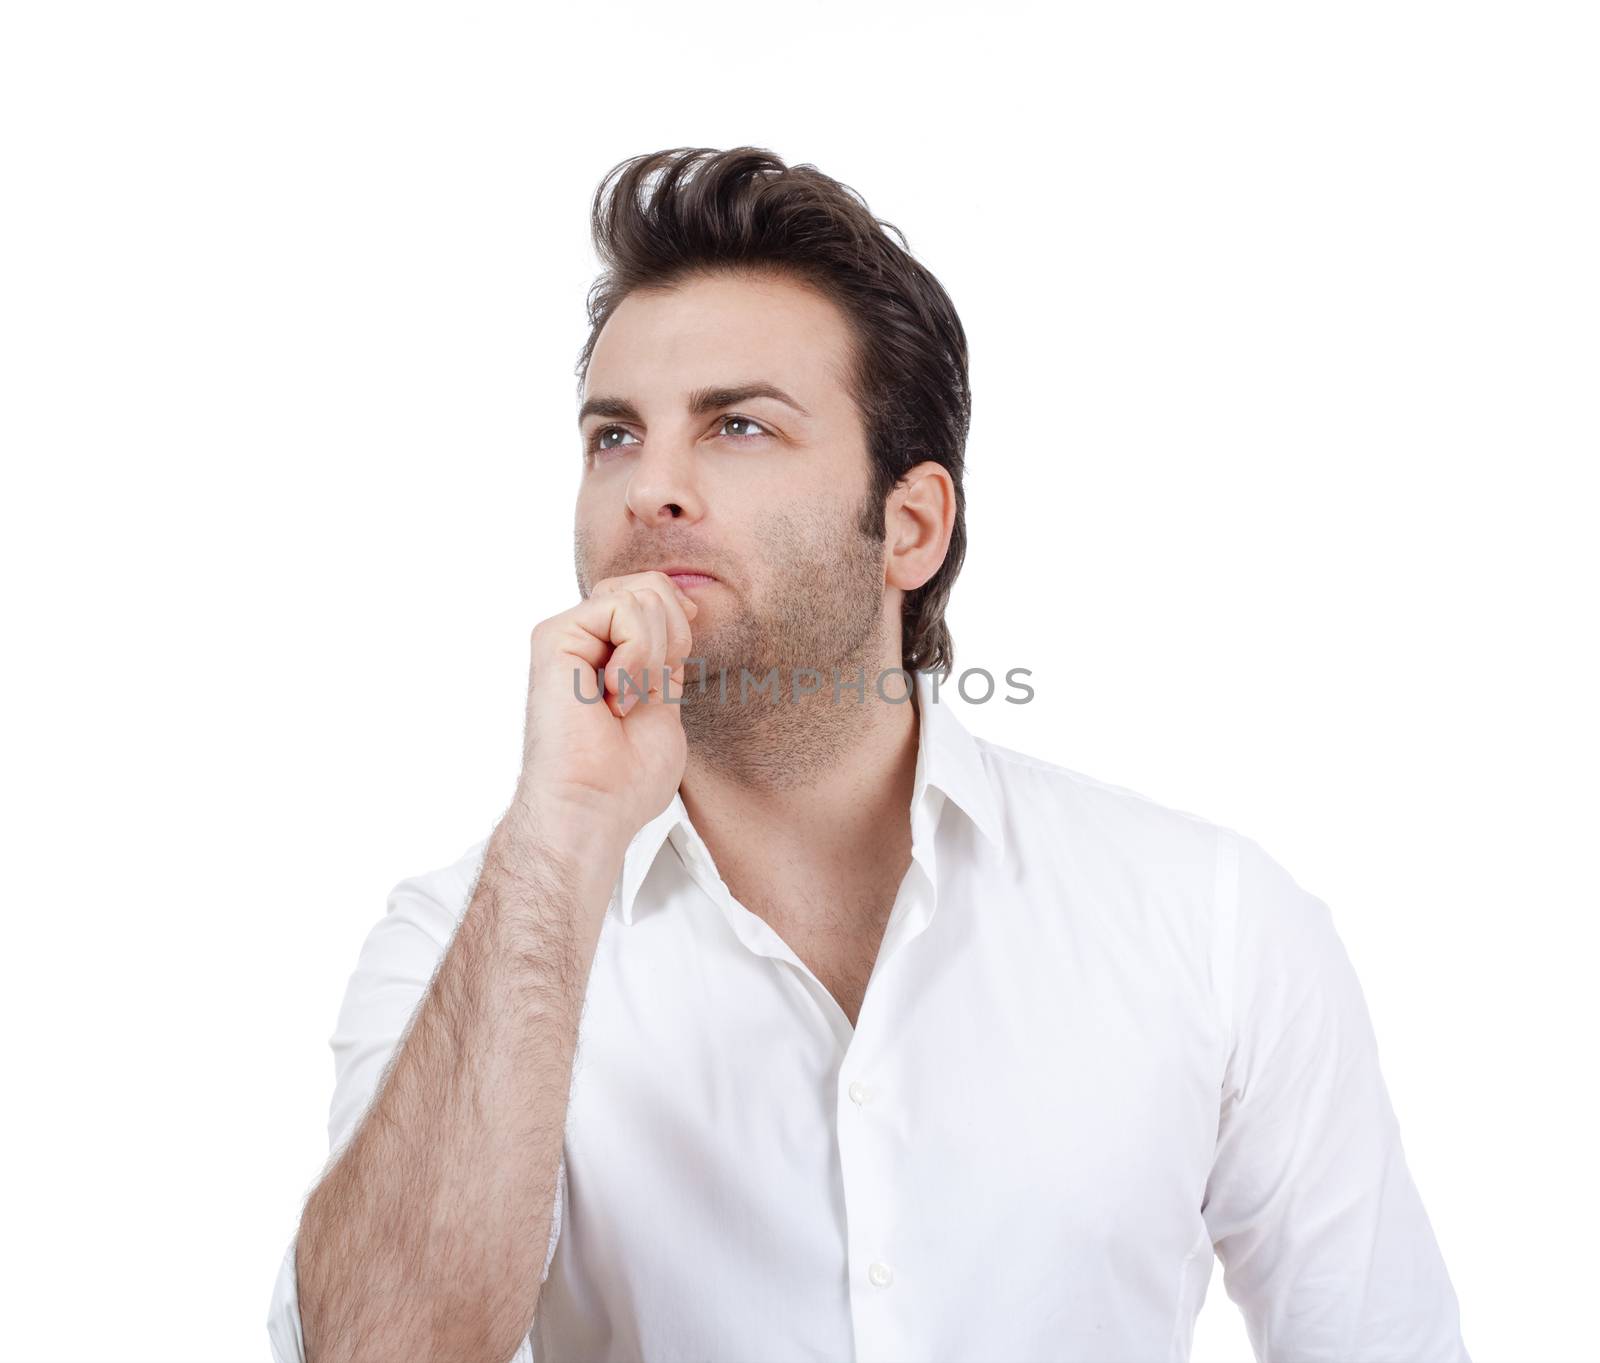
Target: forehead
720	330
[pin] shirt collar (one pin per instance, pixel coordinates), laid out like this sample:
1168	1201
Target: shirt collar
949	760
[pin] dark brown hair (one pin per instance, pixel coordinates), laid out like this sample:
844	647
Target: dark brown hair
711	211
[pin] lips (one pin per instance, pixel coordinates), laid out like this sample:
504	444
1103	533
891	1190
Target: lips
689	581
688	577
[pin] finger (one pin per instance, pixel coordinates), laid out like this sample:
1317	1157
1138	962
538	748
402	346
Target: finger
678	642
625	581
678	601
654	610
680	609
642	656
608	632
597	630
627	670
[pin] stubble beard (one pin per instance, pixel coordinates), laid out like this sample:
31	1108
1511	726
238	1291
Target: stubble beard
822	622
824	612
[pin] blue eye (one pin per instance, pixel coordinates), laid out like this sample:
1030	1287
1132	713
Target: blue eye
744	420
597	440
600	442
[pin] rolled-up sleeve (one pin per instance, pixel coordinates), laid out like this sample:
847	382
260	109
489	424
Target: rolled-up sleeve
1322	1235
283	1318
393	970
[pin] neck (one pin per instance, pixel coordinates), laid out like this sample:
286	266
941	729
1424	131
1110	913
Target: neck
816	779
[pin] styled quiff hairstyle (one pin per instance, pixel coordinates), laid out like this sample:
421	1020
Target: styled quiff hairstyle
667	216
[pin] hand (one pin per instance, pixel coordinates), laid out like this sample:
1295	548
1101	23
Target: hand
597	764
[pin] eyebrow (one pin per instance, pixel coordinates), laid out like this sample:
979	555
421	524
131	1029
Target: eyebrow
701	402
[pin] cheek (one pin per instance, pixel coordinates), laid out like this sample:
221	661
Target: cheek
592	545
593	495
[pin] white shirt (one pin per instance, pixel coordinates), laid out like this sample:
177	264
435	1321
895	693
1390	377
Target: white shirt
1101	1040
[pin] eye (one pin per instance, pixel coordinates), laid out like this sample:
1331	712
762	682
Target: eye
598	441
745	421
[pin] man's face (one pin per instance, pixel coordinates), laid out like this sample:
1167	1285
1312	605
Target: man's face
764	496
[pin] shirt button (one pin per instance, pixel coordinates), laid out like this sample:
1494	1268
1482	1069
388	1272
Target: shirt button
880	1275
859	1092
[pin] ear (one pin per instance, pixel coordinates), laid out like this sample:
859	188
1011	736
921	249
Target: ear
918	520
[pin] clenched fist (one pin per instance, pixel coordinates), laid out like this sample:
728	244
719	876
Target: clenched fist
594	757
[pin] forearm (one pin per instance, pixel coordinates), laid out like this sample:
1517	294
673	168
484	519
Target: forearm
427	1237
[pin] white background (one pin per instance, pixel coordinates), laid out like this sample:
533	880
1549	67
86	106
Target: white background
1284	338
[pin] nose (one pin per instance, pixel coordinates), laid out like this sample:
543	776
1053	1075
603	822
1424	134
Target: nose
662	486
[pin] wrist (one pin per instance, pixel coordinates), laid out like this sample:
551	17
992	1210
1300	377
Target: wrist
587	846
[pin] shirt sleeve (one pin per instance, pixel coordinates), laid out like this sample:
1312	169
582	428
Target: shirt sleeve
1325	1245
393	970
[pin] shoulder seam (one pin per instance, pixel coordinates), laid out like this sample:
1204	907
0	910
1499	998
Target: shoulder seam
1080	778
1225	918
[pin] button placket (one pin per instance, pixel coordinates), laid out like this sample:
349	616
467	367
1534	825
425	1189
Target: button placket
868	1138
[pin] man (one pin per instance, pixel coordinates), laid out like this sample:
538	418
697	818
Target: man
779	1020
